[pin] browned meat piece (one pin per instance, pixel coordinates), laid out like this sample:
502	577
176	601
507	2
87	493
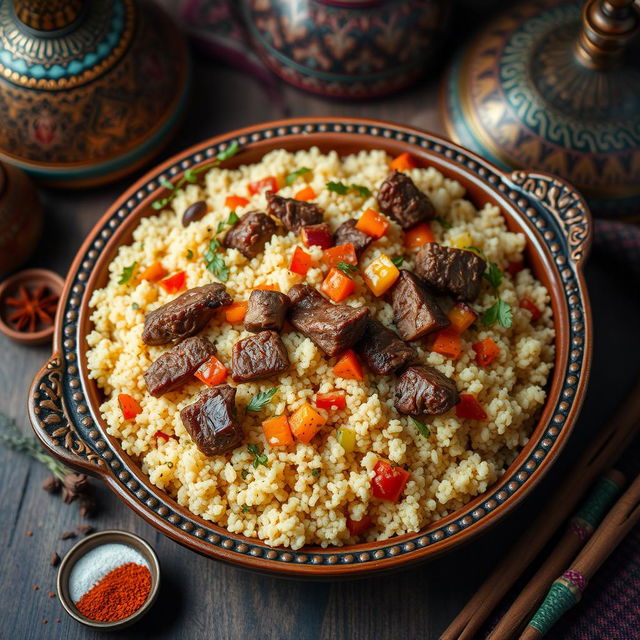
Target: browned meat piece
293	213
250	234
416	311
450	270
382	351
174	367
184	316
423	389
211	420
400	199
260	356
347	233
265	311
332	327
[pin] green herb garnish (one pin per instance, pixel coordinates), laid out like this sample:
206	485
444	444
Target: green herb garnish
220	227
315	472
233	218
443	222
215	262
191	176
398	260
342	189
135	306
291	178
189	254
262	399
260	458
421	427
127	272
346	268
245	508
244	473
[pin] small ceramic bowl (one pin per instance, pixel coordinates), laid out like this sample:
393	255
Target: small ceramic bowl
91	542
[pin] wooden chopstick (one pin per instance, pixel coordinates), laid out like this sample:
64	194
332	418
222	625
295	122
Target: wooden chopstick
567	590
599	456
581	526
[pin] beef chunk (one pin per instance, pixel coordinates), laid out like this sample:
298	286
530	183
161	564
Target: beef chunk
400	199
415	310
347	233
382	351
423	389
266	311
174	367
293	213
184	316
260	356
211	420
332	327
449	270
250	234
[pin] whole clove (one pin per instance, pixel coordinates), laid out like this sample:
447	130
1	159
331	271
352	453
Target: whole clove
54	560
75	482
51	484
67	535
84	529
88	506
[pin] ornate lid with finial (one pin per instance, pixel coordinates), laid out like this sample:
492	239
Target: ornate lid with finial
555	86
89	89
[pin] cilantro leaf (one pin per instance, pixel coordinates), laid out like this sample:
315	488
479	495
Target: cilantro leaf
233	218
262	399
126	274
398	260
342	189
499	312
365	192
260	458
315	472
191	176
189	254
245	508
493	275
244	473
165	183
160	204
135	306
421	427
215	262
346	268
231	150
220	227
291	177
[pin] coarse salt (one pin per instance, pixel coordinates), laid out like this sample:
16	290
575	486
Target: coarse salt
97	563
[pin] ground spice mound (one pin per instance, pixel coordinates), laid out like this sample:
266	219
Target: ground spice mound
118	595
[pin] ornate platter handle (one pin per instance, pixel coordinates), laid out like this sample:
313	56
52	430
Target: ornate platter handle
565	205
51	422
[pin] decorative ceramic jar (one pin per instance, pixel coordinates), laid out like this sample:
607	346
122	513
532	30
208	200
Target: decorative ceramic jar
347	48
89	89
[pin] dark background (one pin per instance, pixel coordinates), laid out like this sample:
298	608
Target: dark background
201	598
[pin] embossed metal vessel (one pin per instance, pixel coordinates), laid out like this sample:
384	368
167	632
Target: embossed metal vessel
89	89
64	403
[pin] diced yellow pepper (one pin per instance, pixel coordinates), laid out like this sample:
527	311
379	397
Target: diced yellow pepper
463	240
380	274
346	439
305	422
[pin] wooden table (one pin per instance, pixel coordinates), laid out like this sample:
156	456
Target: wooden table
201	598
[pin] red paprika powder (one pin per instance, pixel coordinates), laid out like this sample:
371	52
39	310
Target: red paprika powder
118	595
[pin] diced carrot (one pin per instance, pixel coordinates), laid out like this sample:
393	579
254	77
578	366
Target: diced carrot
341	253
358	527
380	274
332	400
528	304
513	268
448	343
305	194
277	431
486	351
174	283
266	287
348	366
462	316
233	202
129	406
300	262
403	162
373	223
212	372
270	183
470	408
235	312
337	285
153	272
305	422
419	235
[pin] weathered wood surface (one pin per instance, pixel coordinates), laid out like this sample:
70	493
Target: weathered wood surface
204	599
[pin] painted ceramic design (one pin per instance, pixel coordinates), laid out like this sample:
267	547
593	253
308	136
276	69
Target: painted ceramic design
349	48
518	95
64	402
87	101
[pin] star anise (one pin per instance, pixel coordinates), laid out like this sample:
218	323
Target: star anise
33	307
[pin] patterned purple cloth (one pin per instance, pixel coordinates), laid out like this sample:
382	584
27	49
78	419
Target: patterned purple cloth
620	242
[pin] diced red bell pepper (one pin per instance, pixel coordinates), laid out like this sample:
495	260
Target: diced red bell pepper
388	482
403	162
332	400
129	406
448	343
486	351
270	183
174	283
233	202
212	372
469	408
300	262
461	316
341	253
163	436
358	527
514	268
318	235
528	304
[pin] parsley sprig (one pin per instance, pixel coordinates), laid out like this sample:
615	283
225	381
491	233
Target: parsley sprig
229	222
500	311
259	457
262	399
127	272
191	176
294	175
347	269
342	189
421	427
398	260
215	262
